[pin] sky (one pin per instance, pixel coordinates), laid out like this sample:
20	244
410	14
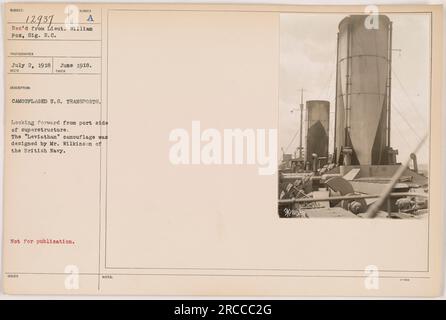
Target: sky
308	61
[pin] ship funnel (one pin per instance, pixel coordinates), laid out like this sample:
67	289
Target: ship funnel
318	115
363	91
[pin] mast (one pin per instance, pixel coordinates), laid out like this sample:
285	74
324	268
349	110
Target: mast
335	150
389	86
301	120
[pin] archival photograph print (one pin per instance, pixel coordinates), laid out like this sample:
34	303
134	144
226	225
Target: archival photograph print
354	115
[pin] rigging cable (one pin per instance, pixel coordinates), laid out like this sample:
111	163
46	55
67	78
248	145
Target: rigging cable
395	107
407	95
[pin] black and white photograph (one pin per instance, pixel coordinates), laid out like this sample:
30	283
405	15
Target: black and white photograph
354	115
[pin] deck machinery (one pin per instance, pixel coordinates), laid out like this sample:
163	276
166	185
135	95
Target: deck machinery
348	181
